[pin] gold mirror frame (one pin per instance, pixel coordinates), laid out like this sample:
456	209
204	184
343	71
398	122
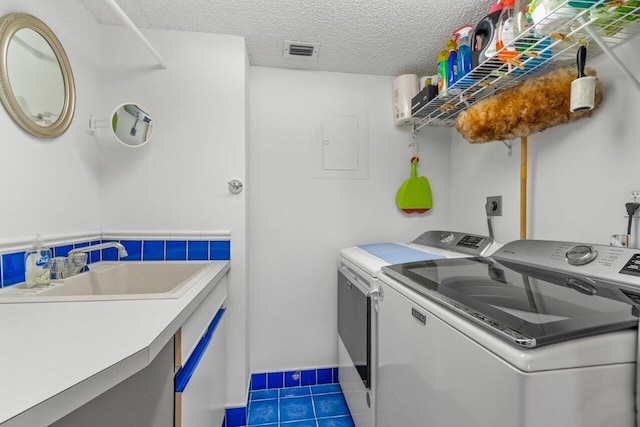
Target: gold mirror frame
9	25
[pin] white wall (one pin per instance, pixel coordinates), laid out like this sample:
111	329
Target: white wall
52	185
178	181
297	223
577	172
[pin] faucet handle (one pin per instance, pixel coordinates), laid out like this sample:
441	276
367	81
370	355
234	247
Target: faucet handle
59	265
78	260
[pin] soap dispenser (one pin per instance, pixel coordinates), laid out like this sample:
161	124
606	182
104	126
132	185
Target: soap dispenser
37	270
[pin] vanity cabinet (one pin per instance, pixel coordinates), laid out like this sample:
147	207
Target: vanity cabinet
184	385
142	400
200	363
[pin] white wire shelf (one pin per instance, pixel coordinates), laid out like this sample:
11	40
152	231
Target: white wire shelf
601	25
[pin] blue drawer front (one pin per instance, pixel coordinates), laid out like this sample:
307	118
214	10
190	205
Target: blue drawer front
184	374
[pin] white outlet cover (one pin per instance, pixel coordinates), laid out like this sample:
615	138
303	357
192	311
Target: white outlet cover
632	193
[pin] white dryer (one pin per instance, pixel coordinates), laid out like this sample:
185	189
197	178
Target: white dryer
358	270
540	334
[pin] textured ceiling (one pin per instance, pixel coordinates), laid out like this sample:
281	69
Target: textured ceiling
385	37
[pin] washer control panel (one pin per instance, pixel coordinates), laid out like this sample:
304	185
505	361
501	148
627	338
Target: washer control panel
581	255
446	237
470	241
632	266
580	260
469	244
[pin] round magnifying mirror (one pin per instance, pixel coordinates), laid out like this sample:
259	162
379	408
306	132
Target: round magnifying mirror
35	76
132	125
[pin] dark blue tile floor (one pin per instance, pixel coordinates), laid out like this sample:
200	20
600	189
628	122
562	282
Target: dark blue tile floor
309	406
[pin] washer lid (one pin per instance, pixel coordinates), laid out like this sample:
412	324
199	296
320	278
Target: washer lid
372	264
526	305
429	245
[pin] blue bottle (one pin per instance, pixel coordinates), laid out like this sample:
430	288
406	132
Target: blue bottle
452	63
464	50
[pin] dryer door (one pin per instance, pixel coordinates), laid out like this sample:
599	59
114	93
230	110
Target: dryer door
354	325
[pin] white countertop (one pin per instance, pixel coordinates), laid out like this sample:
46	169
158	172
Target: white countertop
56	356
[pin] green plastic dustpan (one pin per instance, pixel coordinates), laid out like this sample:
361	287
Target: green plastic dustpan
414	195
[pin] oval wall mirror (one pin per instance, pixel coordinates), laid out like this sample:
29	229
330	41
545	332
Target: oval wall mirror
36	80
132	125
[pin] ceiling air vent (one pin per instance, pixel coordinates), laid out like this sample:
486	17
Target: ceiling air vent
301	50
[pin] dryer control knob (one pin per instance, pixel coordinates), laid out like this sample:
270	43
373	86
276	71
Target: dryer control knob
446	237
581	255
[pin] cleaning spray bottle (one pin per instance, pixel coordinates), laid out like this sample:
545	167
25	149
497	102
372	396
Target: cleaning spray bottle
452	63
504	41
461	36
522	24
37	271
442	71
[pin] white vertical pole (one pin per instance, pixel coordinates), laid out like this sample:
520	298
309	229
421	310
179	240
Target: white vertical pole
129	23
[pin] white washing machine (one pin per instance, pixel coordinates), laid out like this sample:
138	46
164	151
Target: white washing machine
358	270
540	334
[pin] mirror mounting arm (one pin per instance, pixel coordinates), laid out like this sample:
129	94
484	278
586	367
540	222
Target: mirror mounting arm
93	124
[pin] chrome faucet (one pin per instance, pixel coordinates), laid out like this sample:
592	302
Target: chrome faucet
76	260
122	252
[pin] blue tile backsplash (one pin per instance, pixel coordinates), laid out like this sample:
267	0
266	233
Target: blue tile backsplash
197	250
259	381
235	417
292	379
12	267
134	250
308	377
109	254
275	380
176	250
153	250
220	250
94	256
272	380
62	250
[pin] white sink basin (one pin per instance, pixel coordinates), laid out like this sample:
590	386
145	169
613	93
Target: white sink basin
115	281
